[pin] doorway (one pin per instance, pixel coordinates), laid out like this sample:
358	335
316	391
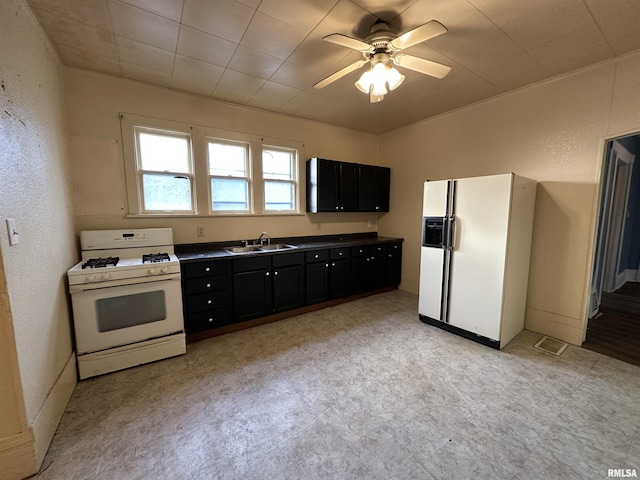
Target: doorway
614	309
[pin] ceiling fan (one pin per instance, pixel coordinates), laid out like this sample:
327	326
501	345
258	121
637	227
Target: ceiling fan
381	49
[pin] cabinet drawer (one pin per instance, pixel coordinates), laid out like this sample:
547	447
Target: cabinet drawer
378	248
338	253
317	256
361	251
203	269
207	320
287	259
207	284
251	264
394	247
207	301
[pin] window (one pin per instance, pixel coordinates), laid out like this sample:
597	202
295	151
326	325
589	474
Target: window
176	169
279	168
229	175
165	170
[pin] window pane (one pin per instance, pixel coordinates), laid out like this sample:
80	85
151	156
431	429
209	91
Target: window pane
278	196
164	153
227	160
229	194
277	165
166	192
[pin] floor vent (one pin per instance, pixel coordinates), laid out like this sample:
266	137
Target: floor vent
551	345
594	305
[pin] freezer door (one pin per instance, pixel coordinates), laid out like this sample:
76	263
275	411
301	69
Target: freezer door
479	253
432	259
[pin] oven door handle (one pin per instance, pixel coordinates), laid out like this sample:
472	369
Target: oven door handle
85	287
135	347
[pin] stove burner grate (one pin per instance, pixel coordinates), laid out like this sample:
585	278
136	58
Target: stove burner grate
155	258
100	262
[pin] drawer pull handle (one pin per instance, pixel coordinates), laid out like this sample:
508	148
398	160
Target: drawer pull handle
275	273
340	253
208	285
207	269
209	302
210	320
317	255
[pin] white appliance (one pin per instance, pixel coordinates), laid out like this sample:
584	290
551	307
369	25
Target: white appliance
127	300
474	262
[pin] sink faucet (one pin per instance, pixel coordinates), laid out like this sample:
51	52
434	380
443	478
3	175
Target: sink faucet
263	236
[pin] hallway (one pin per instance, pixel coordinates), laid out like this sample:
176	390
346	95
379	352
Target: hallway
615	331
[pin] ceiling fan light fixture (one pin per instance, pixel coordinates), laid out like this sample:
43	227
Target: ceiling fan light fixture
379	80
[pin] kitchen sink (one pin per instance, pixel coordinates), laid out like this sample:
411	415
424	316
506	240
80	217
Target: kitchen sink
276	246
258	248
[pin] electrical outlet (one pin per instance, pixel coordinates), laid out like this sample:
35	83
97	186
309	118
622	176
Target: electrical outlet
200	231
14	238
318	226
368	223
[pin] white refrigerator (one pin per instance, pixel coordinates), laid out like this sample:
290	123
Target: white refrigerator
474	262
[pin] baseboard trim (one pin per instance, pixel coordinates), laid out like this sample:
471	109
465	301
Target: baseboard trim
554	325
18	456
49	416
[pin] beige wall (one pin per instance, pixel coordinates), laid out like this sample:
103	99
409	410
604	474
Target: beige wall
94	103
552	132
34	189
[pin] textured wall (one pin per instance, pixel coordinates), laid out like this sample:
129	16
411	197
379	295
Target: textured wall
94	103
554	133
34	189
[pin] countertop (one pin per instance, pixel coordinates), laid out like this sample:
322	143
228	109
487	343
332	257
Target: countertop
200	251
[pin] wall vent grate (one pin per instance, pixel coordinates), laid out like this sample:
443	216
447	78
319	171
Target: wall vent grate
551	345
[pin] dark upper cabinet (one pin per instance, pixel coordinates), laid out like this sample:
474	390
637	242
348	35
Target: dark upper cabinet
373	193
334	186
331	186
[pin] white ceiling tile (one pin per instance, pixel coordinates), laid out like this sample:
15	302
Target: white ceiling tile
302	15
223	18
625	44
237	87
533	23
511	73
143	74
144	55
81	58
209	48
574	50
250	3
192	86
89	12
302	78
143	26
171	9
268	35
621	31
346	18
75	34
197	70
319	54
258	64
384	9
272	96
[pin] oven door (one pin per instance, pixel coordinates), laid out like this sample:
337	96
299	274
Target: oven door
122	315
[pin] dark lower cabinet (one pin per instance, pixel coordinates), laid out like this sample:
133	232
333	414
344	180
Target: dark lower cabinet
221	292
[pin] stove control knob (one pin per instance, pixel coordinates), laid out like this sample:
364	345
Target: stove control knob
106	276
152	271
91	277
164	269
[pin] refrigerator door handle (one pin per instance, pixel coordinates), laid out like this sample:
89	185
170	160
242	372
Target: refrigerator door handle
451	234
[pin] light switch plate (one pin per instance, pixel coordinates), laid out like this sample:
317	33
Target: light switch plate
14	238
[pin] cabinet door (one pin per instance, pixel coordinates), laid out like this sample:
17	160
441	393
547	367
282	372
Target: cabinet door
288	288
373	187
252	294
339	278
328	187
348	187
394	268
317	282
359	274
378	271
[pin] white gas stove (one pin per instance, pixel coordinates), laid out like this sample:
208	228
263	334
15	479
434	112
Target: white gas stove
127	301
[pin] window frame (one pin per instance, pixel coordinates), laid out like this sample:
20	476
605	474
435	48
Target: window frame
202	205
294	180
248	176
140	171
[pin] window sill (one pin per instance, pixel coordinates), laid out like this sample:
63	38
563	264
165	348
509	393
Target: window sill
214	215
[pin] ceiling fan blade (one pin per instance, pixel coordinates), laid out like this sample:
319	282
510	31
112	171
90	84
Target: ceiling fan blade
422	65
417	35
340	73
349	42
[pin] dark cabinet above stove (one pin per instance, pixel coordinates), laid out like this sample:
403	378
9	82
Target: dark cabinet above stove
334	186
